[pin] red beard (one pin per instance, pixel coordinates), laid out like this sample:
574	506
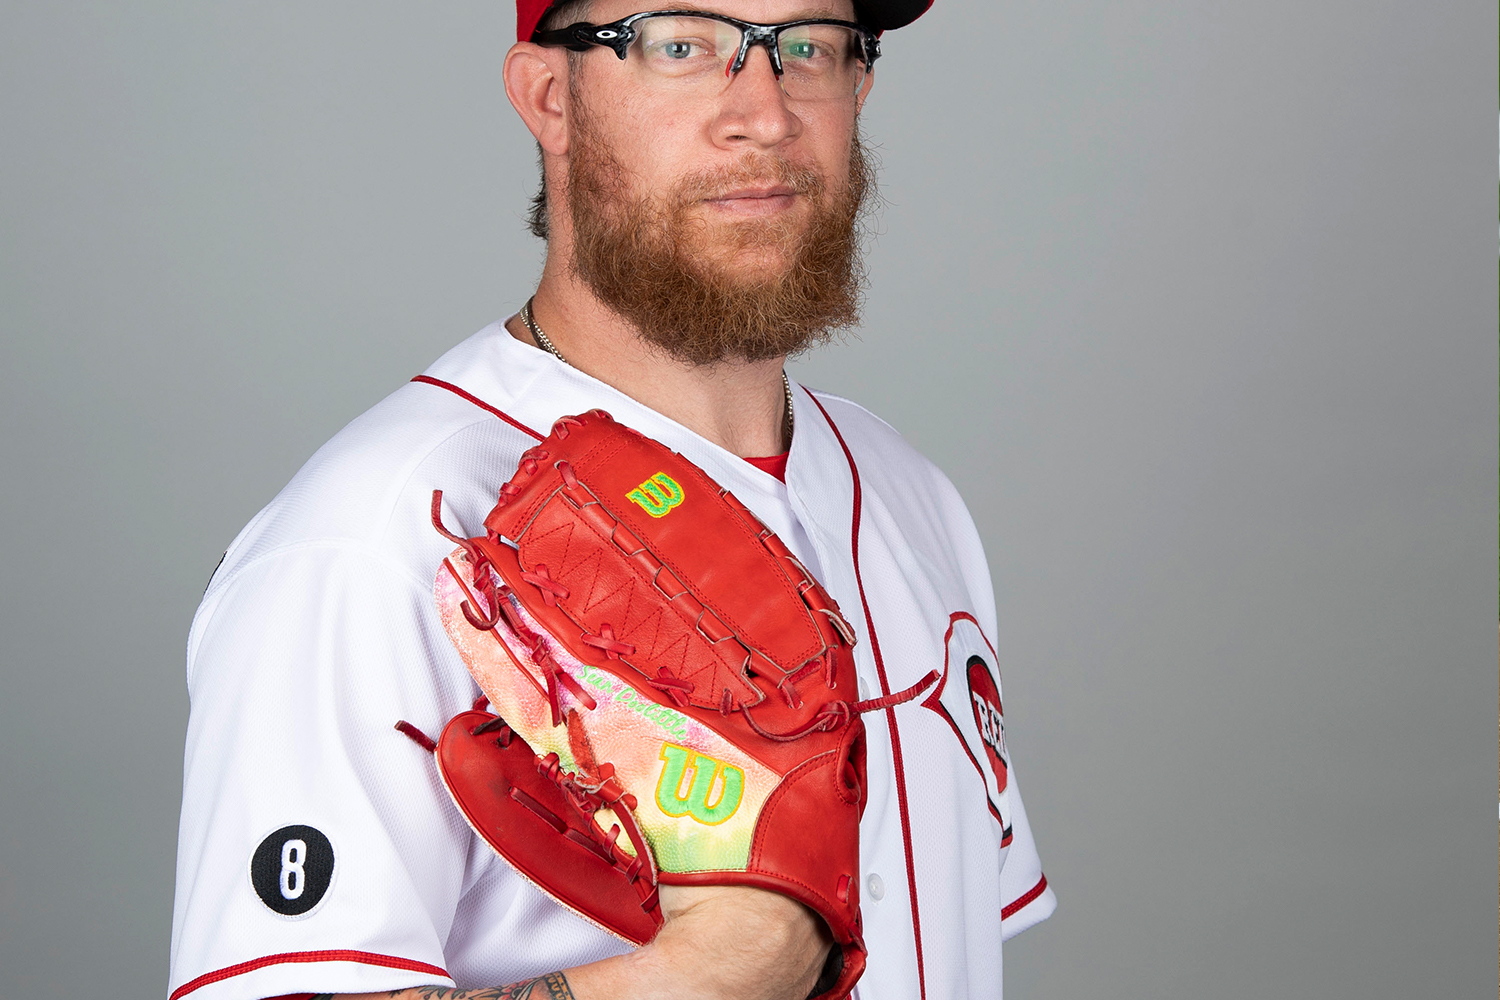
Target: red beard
675	280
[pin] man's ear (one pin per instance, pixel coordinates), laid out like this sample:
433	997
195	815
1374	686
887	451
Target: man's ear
536	83
864	92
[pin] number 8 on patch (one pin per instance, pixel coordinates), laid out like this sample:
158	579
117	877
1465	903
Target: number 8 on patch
292	870
293	876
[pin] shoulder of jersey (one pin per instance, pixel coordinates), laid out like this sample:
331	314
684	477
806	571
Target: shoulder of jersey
887	461
359	488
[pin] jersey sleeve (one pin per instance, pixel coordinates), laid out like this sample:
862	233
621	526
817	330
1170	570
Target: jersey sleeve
1025	897
318	851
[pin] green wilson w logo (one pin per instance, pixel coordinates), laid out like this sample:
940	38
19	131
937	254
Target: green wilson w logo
657	495
706	772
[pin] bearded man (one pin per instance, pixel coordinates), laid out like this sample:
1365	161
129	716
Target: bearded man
702	196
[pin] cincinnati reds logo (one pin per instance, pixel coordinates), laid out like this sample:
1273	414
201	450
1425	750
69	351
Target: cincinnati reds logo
711	779
985	699
657	495
969	655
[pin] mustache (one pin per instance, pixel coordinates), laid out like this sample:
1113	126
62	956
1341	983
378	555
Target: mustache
753	170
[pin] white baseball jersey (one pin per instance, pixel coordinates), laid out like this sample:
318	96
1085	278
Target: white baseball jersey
318	851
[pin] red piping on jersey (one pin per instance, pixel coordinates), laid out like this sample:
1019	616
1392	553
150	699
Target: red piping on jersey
932	702
885	690
479	403
341	955
1025	897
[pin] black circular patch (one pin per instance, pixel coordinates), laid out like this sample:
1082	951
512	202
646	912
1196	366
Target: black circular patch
291	869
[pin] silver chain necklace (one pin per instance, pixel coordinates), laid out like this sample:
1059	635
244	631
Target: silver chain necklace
545	343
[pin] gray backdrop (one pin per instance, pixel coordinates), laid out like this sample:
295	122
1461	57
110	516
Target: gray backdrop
1192	300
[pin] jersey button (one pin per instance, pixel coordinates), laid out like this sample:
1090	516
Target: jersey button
875	887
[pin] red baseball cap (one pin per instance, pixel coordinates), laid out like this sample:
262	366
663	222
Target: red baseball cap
882	15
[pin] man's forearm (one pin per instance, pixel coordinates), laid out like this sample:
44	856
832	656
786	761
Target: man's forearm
719	943
552	986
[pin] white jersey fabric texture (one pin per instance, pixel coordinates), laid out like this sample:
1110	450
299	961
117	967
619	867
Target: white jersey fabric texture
318	632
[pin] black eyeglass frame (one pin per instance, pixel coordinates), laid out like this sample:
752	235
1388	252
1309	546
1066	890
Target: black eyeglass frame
618	35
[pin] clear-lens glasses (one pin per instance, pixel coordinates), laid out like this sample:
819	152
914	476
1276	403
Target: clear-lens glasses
814	60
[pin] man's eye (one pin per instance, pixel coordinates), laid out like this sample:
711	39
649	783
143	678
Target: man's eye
802	50
677	49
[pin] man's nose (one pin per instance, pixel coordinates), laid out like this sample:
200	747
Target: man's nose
753	108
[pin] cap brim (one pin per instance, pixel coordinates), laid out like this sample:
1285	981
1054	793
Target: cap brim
886	15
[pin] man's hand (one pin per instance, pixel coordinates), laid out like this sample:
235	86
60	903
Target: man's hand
718	943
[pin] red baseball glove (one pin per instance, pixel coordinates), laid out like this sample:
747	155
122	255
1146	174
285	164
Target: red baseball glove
676	695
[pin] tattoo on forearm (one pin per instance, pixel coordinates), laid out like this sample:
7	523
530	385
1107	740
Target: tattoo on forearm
552	986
